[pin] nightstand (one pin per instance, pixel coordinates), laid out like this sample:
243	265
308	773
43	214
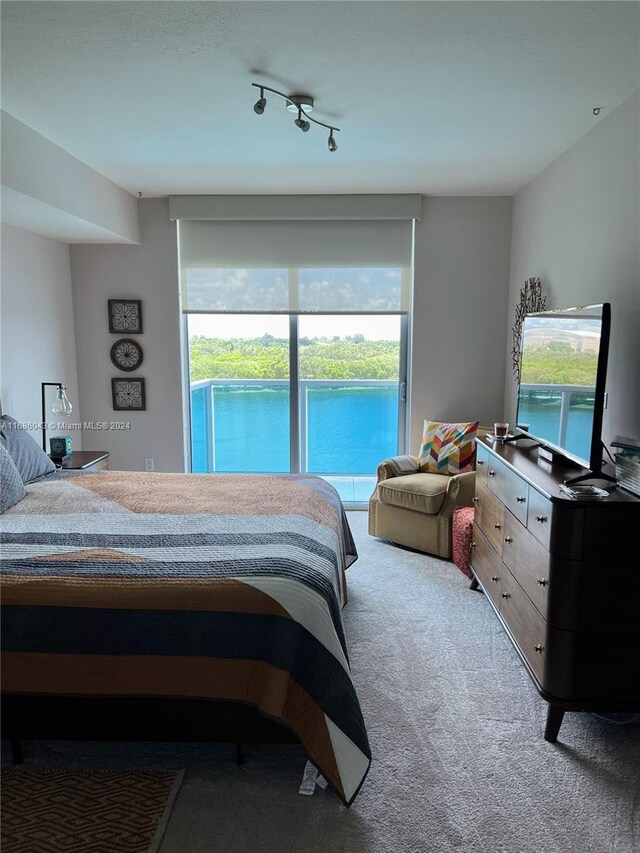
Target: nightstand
97	460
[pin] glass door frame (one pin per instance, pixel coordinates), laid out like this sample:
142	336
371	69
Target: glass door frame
296	418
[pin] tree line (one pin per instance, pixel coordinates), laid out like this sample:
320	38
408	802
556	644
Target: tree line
267	357
558	364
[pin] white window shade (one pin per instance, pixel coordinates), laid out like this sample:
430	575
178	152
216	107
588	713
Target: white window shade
301	267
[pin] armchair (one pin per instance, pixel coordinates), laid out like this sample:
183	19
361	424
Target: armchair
415	509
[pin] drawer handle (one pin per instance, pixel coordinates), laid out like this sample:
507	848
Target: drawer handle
480	462
495	578
541	518
474	500
473	544
521	500
497	525
539	648
505	595
492	473
508	539
543	582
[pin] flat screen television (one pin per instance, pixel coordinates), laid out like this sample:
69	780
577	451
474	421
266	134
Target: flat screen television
563	371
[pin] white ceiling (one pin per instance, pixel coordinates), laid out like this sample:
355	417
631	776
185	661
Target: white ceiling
437	98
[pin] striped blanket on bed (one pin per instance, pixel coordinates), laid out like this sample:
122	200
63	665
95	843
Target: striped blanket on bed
225	587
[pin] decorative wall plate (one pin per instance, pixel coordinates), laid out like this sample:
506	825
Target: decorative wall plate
126	354
128	395
125	315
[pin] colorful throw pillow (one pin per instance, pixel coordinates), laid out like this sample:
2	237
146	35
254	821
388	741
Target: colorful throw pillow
448	448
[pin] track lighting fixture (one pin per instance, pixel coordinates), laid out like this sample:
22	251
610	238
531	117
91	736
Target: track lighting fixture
300	104
260	104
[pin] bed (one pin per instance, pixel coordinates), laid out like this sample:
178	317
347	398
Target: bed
179	606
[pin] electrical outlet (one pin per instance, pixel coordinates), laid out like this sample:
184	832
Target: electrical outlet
148	463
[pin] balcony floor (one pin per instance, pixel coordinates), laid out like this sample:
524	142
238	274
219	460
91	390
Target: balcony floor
353	489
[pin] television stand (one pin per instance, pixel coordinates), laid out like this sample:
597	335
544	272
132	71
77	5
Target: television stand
556	458
591	475
521	436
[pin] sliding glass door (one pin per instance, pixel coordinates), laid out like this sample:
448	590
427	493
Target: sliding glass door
296	345
351	375
322	393
239	381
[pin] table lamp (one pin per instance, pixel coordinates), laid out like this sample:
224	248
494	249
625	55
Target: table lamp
62	406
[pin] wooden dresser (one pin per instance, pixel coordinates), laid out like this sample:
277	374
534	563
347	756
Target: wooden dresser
563	577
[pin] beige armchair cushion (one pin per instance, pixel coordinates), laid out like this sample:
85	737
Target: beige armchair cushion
420	492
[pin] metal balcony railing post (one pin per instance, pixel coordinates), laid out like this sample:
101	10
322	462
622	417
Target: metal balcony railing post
564	417
304	438
210	427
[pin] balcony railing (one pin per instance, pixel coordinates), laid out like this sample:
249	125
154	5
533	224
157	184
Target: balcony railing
555	406
242	425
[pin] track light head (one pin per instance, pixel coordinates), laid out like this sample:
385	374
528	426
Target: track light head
260	104
301	123
332	144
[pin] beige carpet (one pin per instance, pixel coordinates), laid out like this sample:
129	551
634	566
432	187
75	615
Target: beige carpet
85	811
459	762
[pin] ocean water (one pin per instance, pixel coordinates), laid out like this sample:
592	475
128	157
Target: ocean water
349	430
544	422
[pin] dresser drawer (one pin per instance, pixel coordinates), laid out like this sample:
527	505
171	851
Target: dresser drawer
482	462
509	487
487	565
527	561
489	516
539	517
526	625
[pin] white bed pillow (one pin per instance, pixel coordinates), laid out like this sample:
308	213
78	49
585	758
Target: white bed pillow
11	486
30	459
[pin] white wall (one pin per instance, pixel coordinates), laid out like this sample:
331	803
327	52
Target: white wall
38	343
460	311
460	320
148	271
577	226
47	190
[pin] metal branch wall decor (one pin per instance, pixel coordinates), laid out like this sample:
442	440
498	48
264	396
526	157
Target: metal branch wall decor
531	301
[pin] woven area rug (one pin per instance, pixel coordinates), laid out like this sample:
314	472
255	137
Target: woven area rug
86	811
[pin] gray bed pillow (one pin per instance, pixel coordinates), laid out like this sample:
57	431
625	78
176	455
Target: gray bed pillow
30	460
11	486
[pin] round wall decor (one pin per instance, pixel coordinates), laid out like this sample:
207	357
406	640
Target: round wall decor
126	354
